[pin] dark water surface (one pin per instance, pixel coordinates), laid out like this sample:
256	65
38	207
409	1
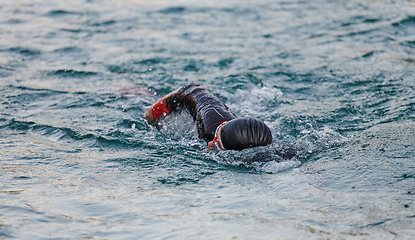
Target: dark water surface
335	80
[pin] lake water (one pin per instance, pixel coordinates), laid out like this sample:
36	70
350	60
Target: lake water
334	80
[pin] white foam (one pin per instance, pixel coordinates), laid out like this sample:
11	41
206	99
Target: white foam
255	101
262	159
276	166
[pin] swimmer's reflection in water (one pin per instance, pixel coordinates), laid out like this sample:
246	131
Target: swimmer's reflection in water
218	126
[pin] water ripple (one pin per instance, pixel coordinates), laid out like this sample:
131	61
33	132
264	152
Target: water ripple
332	79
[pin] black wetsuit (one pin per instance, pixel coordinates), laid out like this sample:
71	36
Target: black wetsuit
206	109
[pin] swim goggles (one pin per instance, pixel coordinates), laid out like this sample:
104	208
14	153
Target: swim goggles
217	145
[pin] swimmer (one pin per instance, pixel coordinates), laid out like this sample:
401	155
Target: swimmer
216	124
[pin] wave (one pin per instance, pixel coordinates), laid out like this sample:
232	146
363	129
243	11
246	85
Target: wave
72	73
409	20
121	138
23	51
60	13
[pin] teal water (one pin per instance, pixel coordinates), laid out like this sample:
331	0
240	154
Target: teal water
334	80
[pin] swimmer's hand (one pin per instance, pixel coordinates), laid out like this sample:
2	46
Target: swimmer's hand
149	116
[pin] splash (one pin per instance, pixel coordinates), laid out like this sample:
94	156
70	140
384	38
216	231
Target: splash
178	126
255	102
314	141
275	166
262	159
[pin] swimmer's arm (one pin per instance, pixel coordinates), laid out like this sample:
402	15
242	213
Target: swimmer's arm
159	109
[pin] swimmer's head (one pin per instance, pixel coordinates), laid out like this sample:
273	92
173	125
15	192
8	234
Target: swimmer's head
241	133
